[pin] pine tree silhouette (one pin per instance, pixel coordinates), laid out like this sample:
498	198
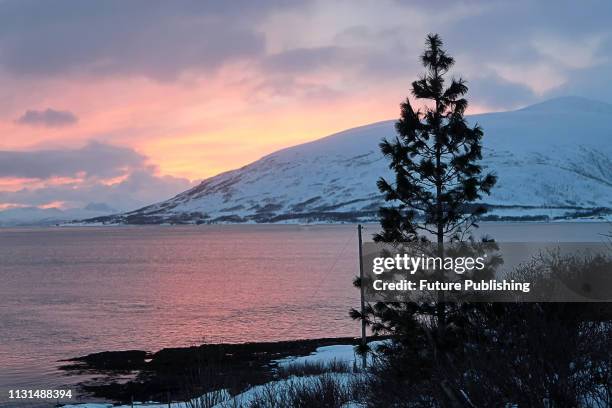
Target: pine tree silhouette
435	160
438	182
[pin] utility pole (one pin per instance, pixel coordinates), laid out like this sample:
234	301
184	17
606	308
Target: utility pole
364	341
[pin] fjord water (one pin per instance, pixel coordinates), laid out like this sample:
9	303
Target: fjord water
66	292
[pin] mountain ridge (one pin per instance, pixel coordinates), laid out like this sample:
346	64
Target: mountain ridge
553	160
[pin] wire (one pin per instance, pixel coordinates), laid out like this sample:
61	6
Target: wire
320	282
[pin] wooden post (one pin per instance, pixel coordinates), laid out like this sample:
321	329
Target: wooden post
364	341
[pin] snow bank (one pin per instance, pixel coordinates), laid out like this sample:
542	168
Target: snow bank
340	353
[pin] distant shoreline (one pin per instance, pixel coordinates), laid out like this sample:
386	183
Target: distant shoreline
296	224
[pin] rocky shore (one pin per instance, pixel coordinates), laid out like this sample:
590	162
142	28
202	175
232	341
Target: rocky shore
181	373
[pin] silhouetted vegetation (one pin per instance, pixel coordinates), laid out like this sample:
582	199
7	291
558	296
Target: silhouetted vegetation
458	354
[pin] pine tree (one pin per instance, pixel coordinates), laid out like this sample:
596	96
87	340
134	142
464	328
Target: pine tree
438	182
435	159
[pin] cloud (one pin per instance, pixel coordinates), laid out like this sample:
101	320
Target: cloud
95	173
300	60
95	159
137	190
505	63
48	117
497	93
151	38
544	53
367	43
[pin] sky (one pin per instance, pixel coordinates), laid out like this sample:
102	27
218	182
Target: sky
130	102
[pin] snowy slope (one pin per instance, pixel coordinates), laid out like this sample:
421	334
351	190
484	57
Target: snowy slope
553	159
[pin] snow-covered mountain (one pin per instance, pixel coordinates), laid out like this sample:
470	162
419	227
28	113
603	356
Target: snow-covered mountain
553	160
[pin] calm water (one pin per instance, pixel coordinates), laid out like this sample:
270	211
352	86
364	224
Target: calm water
72	291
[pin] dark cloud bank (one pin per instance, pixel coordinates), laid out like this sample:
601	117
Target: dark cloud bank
93	160
162	39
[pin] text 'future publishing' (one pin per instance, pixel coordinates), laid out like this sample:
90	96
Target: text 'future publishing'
466	285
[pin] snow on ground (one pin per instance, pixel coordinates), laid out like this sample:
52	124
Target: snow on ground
340	353
242	399
277	387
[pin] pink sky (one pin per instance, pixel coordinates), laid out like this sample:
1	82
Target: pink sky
194	91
